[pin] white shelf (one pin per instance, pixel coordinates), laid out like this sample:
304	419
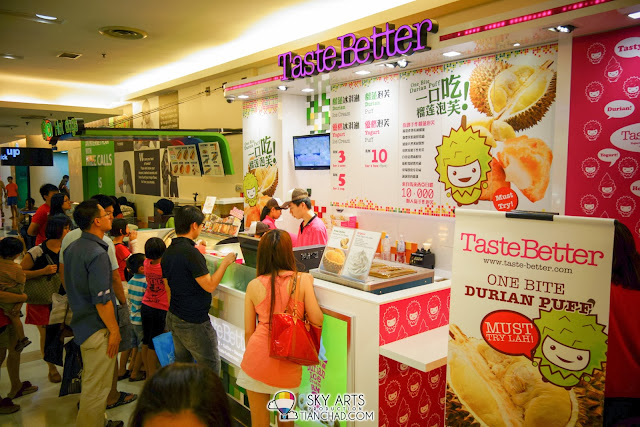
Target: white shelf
425	351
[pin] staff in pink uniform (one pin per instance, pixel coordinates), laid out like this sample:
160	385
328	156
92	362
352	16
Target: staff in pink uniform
312	229
271	211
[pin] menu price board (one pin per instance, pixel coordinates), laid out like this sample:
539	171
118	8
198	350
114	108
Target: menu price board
184	160
350	252
211	159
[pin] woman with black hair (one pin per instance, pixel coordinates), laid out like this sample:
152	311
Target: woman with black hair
271	292
622	384
39	261
182	394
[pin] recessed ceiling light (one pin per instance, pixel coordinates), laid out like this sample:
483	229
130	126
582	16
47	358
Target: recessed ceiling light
243	96
390	65
402	63
10	56
282	88
516	44
307	89
451	53
126	33
363	72
634	15
47	17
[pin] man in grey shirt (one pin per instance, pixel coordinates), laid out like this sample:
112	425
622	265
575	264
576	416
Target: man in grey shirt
93	303
115	397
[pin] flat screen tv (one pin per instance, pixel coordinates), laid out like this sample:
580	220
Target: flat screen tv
311	152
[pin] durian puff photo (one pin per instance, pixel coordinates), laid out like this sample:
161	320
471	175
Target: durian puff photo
333	260
489	388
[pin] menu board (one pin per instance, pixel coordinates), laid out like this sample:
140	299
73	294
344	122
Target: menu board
528	320
350	252
184	160
211	159
436	138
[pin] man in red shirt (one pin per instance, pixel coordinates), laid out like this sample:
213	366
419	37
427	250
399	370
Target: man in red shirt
312	229
39	220
12	201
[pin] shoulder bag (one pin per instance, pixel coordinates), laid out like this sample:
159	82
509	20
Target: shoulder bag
292	338
40	289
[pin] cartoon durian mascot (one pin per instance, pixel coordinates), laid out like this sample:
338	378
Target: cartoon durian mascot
463	162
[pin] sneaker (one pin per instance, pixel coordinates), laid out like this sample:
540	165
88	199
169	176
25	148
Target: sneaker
8	407
24	342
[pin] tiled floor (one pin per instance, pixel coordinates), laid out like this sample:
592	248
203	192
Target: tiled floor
44	407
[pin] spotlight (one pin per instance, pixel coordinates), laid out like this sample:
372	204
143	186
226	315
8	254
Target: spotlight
402	63
243	96
390	65
282	88
635	15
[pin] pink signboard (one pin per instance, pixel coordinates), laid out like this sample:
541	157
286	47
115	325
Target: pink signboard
603	178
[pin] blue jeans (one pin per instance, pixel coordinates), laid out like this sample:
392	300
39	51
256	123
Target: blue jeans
194	341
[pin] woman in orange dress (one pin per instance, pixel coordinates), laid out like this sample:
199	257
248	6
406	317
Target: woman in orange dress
261	375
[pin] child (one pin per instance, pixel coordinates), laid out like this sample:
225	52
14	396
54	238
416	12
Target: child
155	302
137	286
12	280
120	230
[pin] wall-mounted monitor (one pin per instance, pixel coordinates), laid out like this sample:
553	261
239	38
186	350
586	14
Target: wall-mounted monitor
311	152
20	156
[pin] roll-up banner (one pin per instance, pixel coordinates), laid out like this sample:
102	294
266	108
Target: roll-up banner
529	319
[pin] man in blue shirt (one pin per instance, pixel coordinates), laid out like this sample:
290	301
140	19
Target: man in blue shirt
92	300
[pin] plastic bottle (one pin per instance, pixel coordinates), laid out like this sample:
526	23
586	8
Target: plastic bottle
400	251
386	248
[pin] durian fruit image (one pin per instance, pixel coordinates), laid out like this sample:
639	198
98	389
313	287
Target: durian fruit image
333	260
590	396
267	179
494	131
489	388
517	94
527	164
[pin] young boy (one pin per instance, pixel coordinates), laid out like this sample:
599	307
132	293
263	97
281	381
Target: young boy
137	286
12	280
155	302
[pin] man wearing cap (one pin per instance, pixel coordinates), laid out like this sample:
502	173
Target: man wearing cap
312	229
271	211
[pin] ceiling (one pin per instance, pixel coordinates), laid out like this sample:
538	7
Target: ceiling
207	38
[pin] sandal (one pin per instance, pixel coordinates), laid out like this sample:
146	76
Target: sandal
25	388
8	407
55	377
22	344
126	375
141	377
122	400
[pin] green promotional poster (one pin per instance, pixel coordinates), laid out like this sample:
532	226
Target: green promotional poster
98	168
330	376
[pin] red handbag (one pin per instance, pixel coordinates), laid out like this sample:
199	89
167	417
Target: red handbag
292	338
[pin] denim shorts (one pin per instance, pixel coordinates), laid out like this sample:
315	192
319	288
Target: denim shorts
194	341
